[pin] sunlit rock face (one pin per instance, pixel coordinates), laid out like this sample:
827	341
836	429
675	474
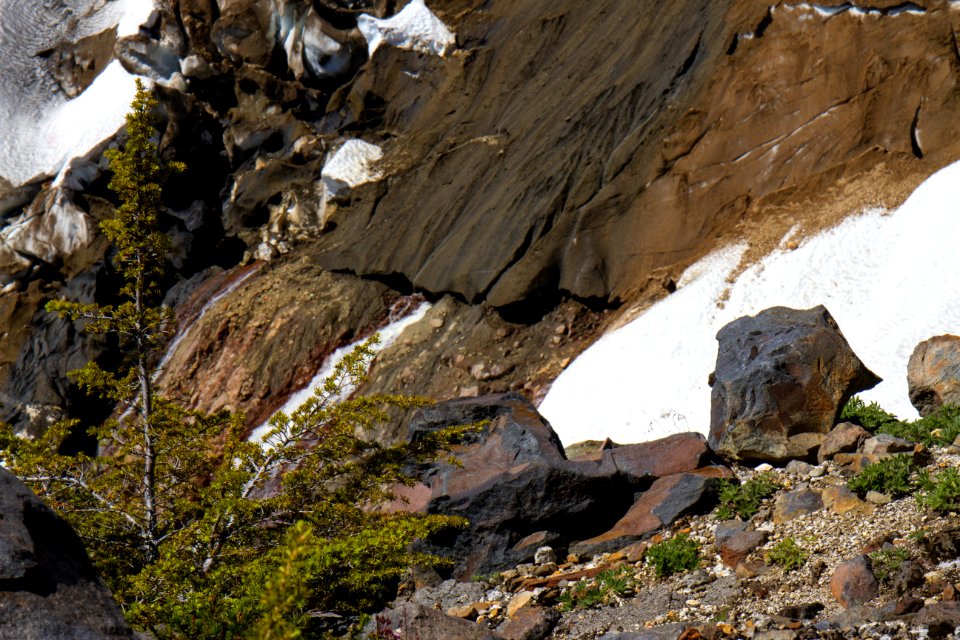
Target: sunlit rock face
544	158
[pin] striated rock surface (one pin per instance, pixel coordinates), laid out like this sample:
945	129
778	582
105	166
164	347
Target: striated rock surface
781	379
933	373
529	161
50	589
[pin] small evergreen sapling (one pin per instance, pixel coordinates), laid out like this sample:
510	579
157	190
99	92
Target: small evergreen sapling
194	528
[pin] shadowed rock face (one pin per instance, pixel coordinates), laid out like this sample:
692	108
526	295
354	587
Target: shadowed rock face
518	491
580	146
782	378
48	588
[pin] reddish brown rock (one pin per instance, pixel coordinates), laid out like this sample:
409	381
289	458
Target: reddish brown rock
665	501
844	438
780	375
531	623
676	453
735	549
933	373
853	582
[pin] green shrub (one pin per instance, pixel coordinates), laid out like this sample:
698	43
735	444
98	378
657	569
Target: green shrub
680	553
587	594
940	492
787	554
890	476
743	500
869	416
940	428
886	562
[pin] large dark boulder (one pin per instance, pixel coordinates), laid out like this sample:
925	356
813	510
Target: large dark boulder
933	373
781	376
48	588
514	483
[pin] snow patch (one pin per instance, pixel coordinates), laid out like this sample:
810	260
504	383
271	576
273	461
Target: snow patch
883	275
42	129
351	165
833	10
415	28
388	335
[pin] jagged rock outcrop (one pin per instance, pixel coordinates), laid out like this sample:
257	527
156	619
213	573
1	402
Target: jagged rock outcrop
781	379
703	123
933	373
519	492
49	588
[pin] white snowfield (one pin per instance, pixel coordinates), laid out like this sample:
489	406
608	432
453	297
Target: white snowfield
415	28
888	278
40	129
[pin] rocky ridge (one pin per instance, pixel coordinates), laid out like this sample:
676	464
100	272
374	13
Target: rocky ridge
842	546
522	183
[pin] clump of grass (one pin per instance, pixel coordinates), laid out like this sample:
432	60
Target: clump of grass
744	500
680	553
587	594
939	492
869	416
787	554
886	562
890	476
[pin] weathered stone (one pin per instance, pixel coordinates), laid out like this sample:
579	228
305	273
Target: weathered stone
840	500
735	549
908	576
794	504
50	587
907	604
851	463
939	619
884	444
798	468
943	544
425	623
518	602
844	438
876	497
513	479
668	499
530	623
853	582
933	373
545	555
660	632
780	375
675	453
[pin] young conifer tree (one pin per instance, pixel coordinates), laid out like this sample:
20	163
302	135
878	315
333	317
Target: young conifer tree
193	527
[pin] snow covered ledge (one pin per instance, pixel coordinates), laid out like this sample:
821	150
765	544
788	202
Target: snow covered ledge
415	28
885	277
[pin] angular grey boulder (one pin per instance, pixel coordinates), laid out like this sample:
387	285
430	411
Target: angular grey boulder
781	376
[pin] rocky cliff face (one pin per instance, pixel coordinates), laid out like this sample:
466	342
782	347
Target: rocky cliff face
554	161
